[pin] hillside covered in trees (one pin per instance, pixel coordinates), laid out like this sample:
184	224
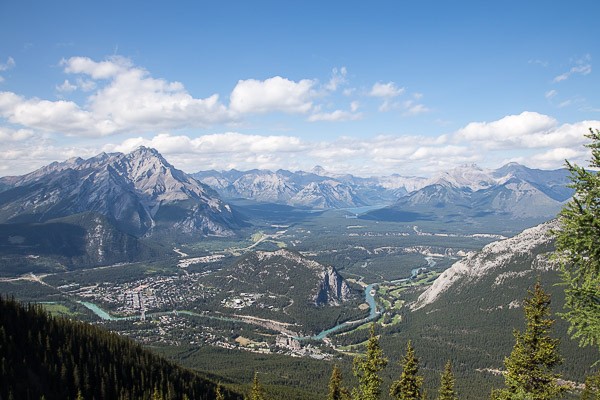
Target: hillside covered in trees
42	357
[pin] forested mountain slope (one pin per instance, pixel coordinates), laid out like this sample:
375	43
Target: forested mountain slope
44	357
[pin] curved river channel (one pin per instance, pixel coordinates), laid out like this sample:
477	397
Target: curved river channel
369	299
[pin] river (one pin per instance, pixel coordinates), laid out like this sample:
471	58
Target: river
369	299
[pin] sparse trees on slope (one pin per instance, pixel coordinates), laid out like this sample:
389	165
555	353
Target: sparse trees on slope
367	369
409	385
336	389
529	367
578	249
447	384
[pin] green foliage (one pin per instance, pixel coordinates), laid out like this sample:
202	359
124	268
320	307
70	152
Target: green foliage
578	249
336	389
55	358
409	385
367	369
529	367
592	387
257	392
219	393
447	384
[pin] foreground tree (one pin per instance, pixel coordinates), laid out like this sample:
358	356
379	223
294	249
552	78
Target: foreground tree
578	249
336	390
367	369
409	385
529	367
257	392
447	384
219	393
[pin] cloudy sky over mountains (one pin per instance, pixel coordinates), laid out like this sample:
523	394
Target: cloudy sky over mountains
378	88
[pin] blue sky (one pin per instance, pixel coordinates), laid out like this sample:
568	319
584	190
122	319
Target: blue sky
362	87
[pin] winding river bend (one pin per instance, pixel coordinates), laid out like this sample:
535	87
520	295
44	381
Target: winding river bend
369	299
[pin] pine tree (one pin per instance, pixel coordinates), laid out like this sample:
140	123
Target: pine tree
336	389
257	392
367	369
219	393
409	385
578	249
529	367
447	384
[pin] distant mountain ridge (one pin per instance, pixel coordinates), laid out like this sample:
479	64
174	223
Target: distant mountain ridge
512	191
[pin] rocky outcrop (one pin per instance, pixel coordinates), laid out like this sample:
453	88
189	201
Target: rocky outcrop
333	288
528	248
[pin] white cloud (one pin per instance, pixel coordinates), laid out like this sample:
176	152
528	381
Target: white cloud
544	147
273	94
86	84
10	63
338	77
110	68
583	67
386	90
66	87
551	94
354	106
14	135
130	100
413	108
507	132
337	115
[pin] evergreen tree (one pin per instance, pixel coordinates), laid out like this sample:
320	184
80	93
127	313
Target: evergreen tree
409	385
367	369
336	390
592	388
578	249
219	393
447	384
529	367
257	392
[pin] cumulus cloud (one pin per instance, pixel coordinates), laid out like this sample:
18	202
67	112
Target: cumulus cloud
109	68
507	132
385	90
14	135
129	100
273	94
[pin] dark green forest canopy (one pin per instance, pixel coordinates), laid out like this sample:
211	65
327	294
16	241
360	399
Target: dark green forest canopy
56	358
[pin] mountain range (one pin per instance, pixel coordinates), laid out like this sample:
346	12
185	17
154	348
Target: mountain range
514	190
109	208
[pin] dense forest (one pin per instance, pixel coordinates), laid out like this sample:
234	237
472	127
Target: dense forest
42	357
